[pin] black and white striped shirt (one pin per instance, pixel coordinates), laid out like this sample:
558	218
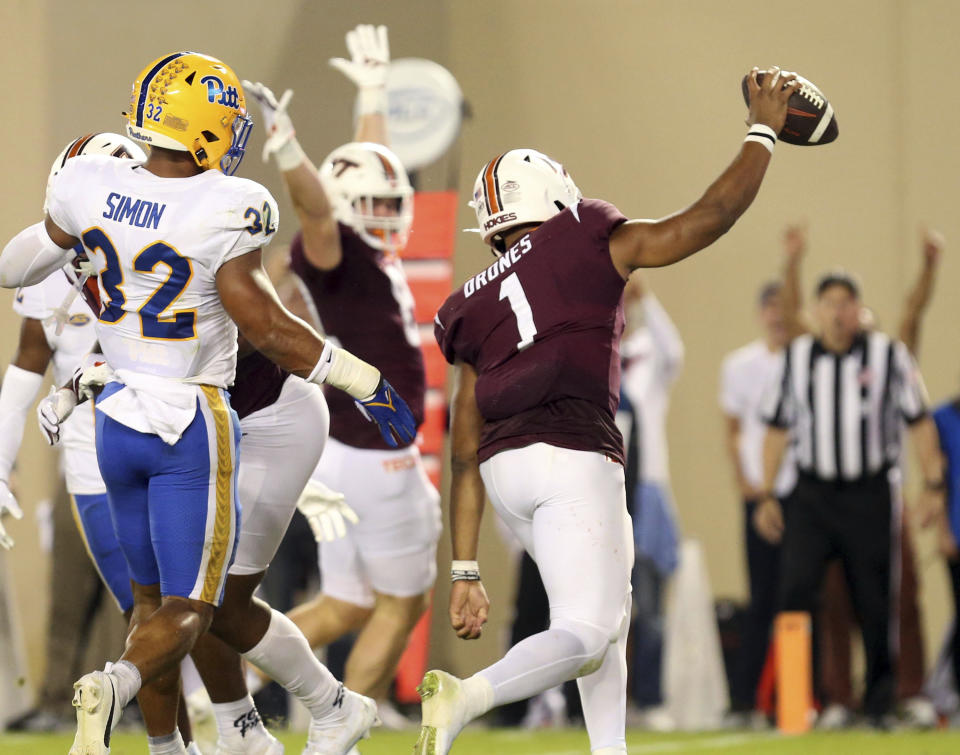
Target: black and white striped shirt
845	411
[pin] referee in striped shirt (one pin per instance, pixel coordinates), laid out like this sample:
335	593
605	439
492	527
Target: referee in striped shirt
841	399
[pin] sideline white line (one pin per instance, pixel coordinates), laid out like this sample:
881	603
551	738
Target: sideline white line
684	745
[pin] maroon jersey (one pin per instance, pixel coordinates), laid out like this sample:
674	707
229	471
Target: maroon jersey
365	305
541	327
257	385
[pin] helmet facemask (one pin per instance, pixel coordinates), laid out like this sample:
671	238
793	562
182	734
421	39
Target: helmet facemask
240	129
388	232
359	179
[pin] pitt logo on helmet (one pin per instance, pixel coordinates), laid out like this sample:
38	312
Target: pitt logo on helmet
216	92
202	105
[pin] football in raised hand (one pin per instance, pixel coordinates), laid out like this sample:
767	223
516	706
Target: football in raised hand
810	117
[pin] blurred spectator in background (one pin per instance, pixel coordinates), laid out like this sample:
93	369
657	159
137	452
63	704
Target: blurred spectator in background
652	357
744	375
836	616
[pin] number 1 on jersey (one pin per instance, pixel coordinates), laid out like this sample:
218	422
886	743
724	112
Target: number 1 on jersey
511	289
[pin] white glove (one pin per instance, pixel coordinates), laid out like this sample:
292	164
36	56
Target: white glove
93	377
326	511
8	505
53	411
281	135
370	61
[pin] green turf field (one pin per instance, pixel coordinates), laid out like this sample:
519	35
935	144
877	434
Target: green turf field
572	742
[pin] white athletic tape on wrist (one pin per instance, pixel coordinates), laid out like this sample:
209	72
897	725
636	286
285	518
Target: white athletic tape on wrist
341	369
290	155
762	134
464	571
372	100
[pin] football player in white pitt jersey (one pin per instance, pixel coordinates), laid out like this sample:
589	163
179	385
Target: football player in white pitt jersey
355	216
177	243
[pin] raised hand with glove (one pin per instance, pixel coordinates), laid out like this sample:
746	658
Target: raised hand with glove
326	512
281	140
368	66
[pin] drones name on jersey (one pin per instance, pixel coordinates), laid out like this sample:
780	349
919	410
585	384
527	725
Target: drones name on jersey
361	178
193	103
517	188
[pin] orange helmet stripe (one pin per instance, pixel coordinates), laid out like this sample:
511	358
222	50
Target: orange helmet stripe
387	167
491	187
76	148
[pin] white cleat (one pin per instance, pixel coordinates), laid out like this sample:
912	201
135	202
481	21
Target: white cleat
337	734
444	709
95	698
203	721
194	749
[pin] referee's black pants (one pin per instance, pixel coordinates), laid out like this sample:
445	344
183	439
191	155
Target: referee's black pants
854	522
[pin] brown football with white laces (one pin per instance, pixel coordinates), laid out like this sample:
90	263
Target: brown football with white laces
810	116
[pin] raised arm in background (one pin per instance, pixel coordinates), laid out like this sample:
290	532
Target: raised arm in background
791	297
919	296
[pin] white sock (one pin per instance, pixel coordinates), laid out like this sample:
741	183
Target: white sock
127	678
189	676
170	744
254	681
237	719
538	663
479	694
285	656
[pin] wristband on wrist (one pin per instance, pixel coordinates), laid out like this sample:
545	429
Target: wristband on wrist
464	571
762	134
341	369
290	155
372	100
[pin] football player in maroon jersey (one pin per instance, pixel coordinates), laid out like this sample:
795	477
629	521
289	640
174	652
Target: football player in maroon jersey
535	340
355	215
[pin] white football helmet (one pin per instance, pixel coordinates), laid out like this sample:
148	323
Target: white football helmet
518	187
356	174
95	144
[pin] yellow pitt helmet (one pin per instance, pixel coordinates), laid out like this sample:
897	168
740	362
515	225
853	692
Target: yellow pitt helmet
192	103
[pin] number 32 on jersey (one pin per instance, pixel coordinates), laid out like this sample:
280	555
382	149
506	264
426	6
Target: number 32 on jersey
155	321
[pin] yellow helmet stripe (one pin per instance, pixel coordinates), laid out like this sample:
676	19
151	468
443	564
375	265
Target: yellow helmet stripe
148	80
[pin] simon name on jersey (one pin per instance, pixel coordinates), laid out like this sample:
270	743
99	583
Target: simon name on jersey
138	212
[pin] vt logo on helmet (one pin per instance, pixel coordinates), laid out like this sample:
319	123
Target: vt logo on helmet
519	187
370	192
193	103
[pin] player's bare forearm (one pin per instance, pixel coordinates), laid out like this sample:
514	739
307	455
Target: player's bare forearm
372	127
655	243
732	444
466	486
926	443
33	352
321	237
917	301
250	299
791	298
774	446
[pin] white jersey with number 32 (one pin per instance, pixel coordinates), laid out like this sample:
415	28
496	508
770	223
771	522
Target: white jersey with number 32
157	244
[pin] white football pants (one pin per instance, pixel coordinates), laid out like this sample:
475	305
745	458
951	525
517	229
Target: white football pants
280	447
568	508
